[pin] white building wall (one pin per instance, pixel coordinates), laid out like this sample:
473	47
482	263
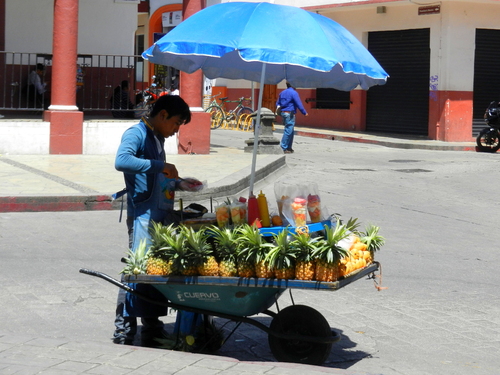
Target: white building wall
155	4
28	27
104	27
99	137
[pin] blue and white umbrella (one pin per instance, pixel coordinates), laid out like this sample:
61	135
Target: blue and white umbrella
268	43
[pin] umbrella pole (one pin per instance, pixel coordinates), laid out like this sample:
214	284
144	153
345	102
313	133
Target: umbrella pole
257	128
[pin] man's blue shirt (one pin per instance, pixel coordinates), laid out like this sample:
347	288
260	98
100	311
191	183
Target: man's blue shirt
289	100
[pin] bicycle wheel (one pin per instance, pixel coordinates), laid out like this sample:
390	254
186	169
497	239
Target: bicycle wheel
217	117
244	110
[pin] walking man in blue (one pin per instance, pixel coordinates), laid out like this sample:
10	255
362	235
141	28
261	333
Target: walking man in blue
289	102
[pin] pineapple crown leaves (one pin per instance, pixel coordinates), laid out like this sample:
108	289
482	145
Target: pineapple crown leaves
176	250
352	225
304	245
175	245
252	247
283	253
197	246
372	239
226	242
328	249
159	238
136	261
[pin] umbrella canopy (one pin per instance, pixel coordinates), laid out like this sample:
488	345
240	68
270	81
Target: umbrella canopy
233	40
268	43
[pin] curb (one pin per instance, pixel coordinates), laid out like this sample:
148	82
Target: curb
105	202
58	203
447	146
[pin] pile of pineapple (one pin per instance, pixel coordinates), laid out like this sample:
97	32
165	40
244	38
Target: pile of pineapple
244	252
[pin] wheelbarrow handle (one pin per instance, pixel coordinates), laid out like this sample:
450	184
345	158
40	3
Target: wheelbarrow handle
108	279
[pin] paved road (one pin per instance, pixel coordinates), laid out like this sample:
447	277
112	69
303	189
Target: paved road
439	315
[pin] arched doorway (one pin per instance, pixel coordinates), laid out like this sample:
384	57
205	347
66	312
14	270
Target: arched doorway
163	20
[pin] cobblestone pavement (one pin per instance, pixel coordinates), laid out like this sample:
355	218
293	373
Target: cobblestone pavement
439	315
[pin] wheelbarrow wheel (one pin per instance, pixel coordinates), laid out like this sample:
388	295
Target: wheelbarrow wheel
300	320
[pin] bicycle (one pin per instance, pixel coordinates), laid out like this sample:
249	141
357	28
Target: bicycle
220	116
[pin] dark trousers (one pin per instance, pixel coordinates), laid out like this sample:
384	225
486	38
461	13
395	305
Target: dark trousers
126	326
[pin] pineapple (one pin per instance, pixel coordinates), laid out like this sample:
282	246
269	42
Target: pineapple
158	262
281	258
245	268
136	260
176	251
226	246
251	254
262	269
305	267
329	253
373	241
158	266
210	267
202	260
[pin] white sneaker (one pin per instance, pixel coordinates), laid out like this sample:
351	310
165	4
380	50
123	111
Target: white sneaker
2	116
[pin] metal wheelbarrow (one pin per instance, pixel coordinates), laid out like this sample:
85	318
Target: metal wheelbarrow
297	333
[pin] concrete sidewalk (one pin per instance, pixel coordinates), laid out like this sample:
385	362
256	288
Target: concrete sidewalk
86	182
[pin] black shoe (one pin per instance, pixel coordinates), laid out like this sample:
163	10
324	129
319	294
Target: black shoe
123	341
287	152
160	340
291	150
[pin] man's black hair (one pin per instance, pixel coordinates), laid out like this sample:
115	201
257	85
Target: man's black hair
174	105
40	66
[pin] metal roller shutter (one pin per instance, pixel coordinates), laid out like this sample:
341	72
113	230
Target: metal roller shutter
402	104
486	75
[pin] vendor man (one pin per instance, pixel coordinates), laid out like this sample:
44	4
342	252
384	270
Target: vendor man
150	183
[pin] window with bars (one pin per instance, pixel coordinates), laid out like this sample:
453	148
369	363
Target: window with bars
332	99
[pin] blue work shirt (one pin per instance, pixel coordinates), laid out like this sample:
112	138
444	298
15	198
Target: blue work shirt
289	101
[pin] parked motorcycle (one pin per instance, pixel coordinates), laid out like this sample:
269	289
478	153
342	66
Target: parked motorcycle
147	97
488	139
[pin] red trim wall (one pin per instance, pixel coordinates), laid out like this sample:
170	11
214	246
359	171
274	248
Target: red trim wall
353	119
2	25
450	116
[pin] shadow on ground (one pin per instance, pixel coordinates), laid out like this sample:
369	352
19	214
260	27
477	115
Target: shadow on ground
246	342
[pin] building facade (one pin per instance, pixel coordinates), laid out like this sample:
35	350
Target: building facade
441	57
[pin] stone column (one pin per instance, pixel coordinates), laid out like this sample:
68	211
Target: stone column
267	143
66	122
194	137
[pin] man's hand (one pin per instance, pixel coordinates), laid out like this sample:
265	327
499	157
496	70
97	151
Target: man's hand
170	171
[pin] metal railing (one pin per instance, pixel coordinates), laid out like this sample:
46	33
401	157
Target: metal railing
97	77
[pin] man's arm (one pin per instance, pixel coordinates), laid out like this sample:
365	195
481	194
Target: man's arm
298	103
126	158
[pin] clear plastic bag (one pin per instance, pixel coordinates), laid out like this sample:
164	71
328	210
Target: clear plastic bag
191	184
